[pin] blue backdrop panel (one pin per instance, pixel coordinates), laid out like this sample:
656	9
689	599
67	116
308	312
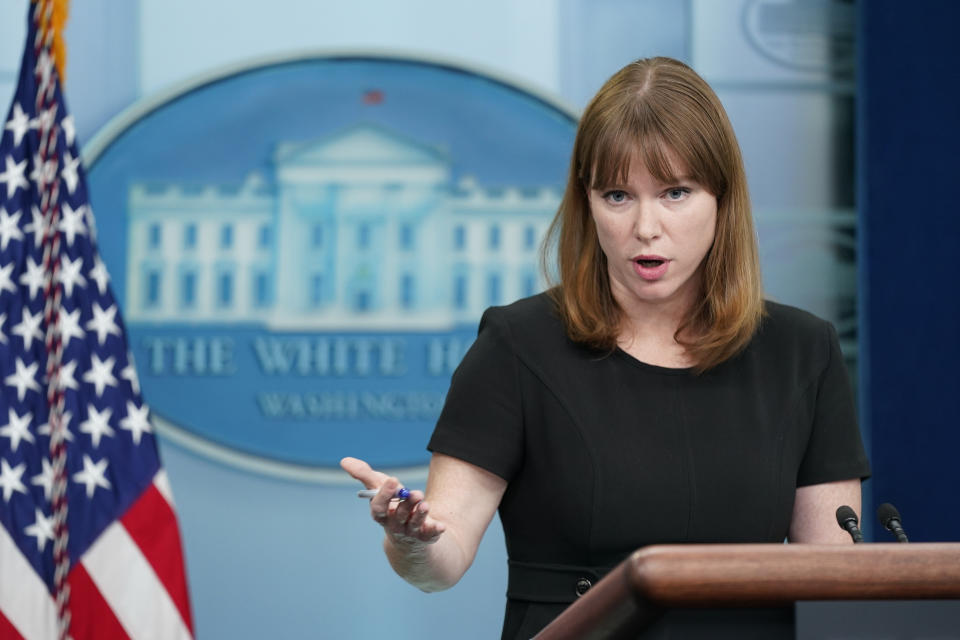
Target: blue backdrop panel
910	228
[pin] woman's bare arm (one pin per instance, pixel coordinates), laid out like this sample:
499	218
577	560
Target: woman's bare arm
431	540
814	512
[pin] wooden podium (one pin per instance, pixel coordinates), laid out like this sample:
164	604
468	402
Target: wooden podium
659	578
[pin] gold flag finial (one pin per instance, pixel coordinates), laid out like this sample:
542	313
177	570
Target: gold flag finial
52	19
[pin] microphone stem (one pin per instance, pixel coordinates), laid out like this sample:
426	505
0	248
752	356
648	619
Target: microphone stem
898	531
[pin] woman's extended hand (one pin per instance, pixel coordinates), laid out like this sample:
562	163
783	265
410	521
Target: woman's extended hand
407	522
464	496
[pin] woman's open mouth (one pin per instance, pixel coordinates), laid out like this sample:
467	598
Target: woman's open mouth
650	267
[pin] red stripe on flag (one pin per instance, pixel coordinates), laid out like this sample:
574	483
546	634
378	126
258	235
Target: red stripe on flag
7	630
91	618
153	526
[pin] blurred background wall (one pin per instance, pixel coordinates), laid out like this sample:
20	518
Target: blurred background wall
271	557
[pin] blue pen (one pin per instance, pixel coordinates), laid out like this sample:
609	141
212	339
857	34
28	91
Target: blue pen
402	493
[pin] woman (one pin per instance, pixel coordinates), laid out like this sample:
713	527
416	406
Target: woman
652	396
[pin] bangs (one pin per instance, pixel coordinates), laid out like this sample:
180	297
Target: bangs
641	135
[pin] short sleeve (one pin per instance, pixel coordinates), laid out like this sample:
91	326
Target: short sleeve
835	449
482	422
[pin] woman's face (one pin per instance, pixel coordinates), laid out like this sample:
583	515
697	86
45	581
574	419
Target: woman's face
655	236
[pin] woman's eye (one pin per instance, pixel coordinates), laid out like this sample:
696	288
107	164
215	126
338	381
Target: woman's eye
616	196
677	193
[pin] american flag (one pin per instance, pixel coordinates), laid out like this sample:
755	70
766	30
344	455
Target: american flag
89	543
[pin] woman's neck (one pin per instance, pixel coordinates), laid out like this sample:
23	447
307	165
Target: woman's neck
647	332
655	347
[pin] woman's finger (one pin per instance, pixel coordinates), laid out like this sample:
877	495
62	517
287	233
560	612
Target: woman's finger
418	516
382	505
420	526
430	530
404	509
362	471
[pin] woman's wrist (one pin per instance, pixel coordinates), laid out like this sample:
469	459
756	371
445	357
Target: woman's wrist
417	562
405	545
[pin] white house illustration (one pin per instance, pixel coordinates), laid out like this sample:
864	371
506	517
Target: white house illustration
364	230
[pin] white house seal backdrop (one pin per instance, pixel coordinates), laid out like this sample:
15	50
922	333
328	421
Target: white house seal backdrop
304	247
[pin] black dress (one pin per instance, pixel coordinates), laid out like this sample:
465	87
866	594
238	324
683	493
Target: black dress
604	454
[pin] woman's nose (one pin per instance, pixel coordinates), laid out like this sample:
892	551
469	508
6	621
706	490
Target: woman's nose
647	225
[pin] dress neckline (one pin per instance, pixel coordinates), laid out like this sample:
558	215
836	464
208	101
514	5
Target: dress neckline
654	368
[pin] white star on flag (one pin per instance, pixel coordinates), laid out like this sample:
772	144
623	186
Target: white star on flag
92	475
17	429
37	226
137	421
9	228
13	175
10	479
44	479
3	321
33	277
70	327
103	322
71	222
70	274
97	424
91	224
129	374
100	374
23	378
69	171
69	129
29	328
19	123
67	377
6	284
99	275
42	529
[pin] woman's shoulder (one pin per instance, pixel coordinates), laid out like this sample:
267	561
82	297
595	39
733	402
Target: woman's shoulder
787	330
532	326
535	313
784	317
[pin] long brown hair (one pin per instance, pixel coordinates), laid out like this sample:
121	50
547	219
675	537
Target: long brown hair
658	110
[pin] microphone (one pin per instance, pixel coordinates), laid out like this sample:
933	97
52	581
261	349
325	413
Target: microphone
847	519
890	519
